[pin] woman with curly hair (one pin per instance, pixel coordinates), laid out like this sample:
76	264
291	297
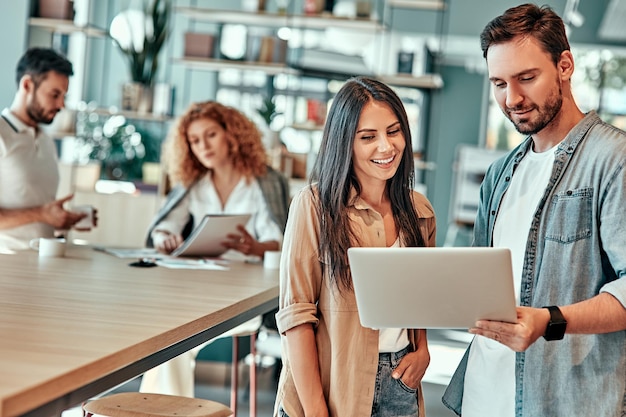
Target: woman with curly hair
217	164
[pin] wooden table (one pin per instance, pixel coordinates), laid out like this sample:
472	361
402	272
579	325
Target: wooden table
74	327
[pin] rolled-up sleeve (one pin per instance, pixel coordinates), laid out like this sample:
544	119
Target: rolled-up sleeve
300	270
617	289
614	243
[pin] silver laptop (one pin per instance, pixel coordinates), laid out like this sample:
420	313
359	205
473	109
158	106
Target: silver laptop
448	287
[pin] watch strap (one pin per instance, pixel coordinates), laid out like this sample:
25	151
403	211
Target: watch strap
555	330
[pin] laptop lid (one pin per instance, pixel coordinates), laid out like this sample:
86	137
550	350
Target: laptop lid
449	287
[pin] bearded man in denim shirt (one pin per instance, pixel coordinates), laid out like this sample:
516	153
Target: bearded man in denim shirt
558	202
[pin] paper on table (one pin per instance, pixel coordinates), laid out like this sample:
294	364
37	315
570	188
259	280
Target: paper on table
178	263
128	253
206	239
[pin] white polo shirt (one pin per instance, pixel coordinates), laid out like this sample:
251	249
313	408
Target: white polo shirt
29	177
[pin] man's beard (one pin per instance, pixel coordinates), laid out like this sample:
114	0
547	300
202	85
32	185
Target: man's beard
37	113
546	114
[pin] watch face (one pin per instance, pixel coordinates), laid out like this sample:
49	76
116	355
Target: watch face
555	330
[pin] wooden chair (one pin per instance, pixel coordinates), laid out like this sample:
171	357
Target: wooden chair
138	404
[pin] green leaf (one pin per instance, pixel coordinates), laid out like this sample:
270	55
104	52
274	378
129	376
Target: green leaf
143	65
268	110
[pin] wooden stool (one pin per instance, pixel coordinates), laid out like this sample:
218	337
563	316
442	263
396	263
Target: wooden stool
138	404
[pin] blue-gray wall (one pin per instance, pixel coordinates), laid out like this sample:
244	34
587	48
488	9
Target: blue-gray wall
14	31
455	118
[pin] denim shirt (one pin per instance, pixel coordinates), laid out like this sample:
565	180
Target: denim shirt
576	249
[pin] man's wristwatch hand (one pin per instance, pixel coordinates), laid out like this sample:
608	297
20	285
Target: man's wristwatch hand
557	324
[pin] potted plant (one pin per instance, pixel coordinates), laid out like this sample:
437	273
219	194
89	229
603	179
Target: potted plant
268	112
140	36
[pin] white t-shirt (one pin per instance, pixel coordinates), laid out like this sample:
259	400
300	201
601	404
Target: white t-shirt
489	388
392	340
203	199
29	177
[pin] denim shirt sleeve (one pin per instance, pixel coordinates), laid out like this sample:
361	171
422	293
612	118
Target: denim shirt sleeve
614	242
453	396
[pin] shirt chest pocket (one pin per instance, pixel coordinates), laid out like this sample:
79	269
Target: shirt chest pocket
570	216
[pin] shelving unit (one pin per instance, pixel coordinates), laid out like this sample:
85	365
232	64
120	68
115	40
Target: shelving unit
426	81
284	79
302	134
65	27
68	27
213	64
436	5
294	21
307	127
276	20
75	40
133	115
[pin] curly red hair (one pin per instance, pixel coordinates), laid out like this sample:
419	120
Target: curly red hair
244	142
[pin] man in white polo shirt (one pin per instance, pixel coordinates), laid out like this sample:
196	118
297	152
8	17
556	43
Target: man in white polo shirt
29	174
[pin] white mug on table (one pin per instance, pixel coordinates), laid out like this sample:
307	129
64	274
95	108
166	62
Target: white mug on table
271	259
49	246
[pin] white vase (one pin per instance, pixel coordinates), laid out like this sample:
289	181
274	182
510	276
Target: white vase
137	97
271	142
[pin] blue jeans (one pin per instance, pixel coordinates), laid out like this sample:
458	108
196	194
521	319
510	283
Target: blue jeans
391	397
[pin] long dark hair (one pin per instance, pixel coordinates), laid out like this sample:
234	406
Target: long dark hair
540	23
334	173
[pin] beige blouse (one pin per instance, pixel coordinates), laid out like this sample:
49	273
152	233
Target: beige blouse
349	364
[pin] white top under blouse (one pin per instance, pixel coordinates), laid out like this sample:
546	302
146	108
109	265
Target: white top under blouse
391	339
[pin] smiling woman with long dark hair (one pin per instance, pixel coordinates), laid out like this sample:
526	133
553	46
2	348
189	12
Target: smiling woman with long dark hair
361	194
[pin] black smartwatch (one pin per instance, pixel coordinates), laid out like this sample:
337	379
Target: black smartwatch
557	324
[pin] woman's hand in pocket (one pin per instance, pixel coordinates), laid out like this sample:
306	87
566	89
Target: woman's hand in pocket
412	368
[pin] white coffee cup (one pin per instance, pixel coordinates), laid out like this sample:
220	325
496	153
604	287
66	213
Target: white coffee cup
271	259
86	223
49	246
